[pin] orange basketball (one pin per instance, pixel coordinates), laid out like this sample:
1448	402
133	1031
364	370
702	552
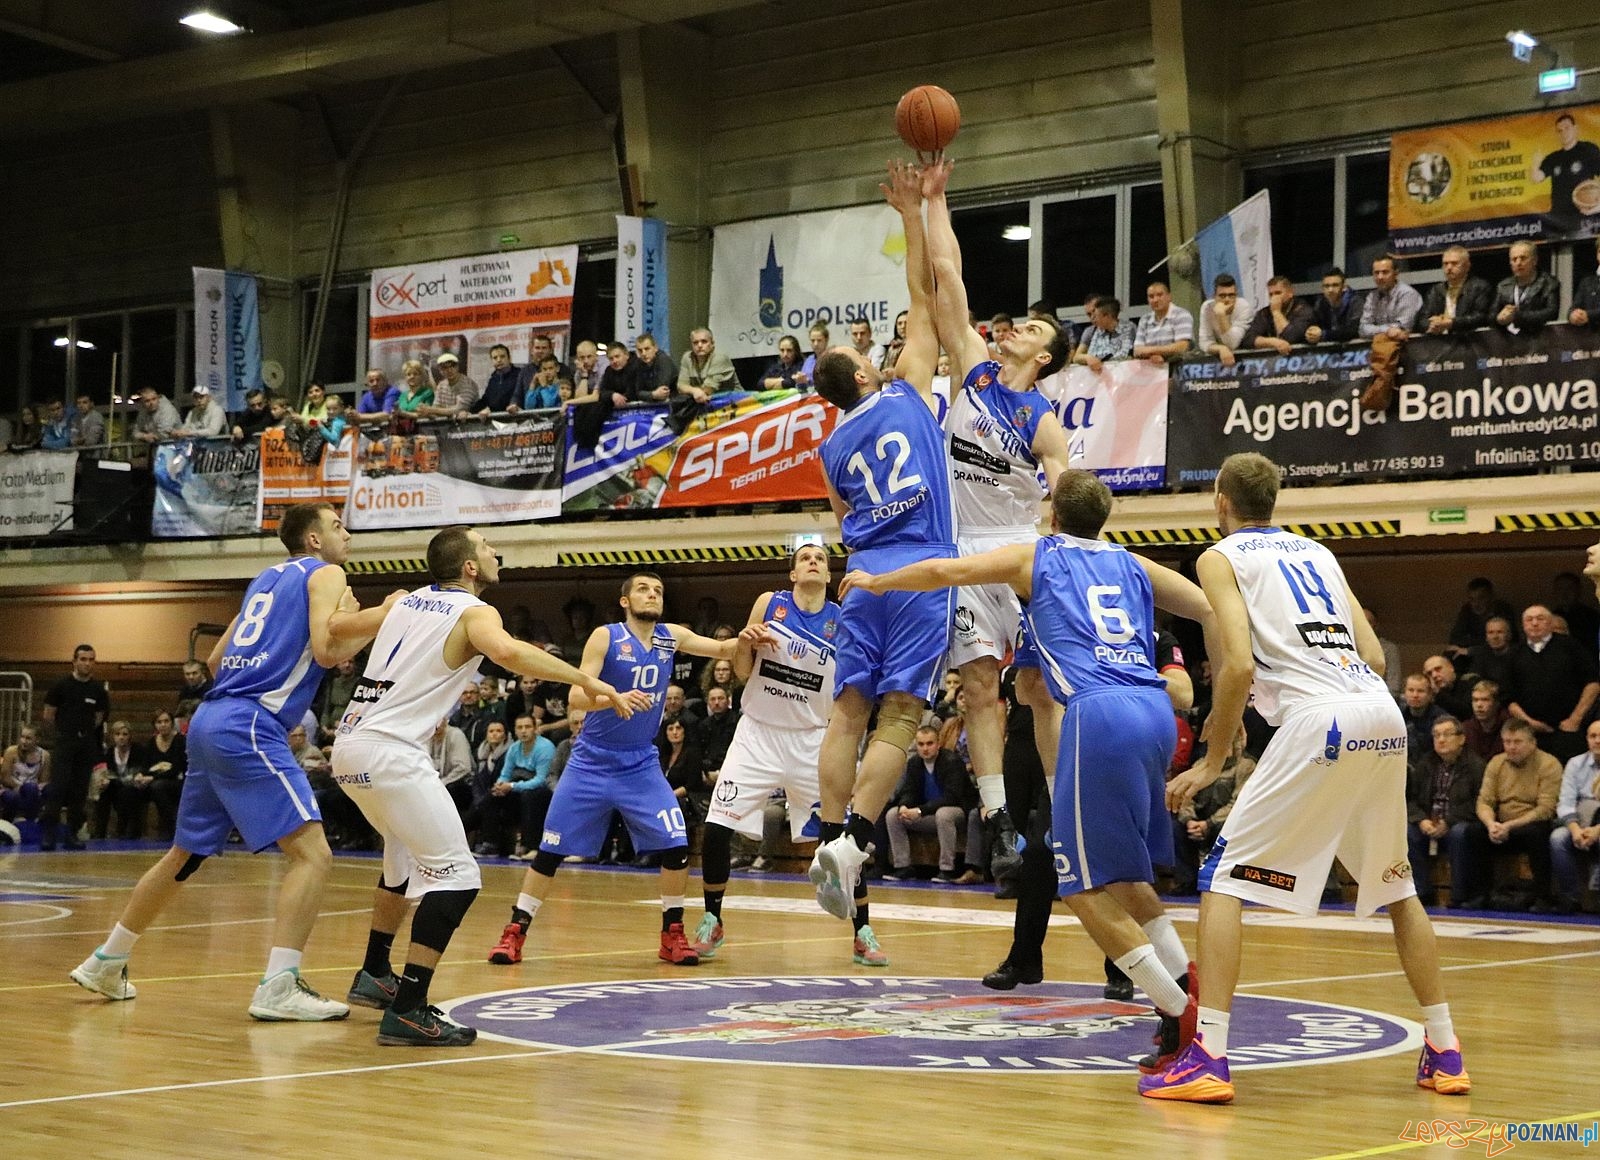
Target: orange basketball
927	118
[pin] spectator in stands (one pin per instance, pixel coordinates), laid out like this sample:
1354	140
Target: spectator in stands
1482	603
205	419
819	347
543	347
585	376
521	795
57	433
1449	693
314	403
1575	841
705	370
656	372
1441	804
675	707
379	399
1583	622
1281	324
158	418
334	697
944	702
1586	298
1528	298
418	394
88	426
1000	328
24	776
307	754
719	674
1336	312
621	376
454	395
255	418
28	431
543	391
506	384
126	787
471	718
332	426
927	801
452	757
77	706
1195	827
490	754
1108	338
1491	660
1392	306
1460	303
165	758
684	767
1167	331
578	613
861	338
1421	714
785	373
1488	715
1553	683
1224	317
197	682
891	353
1516	810
1393	674
714	733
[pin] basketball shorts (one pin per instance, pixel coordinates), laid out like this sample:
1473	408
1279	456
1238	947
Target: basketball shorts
629	782
398	790
242	776
989	616
763	759
1109	821
895	643
1332	783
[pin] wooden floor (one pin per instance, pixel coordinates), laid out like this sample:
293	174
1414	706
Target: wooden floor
585	1072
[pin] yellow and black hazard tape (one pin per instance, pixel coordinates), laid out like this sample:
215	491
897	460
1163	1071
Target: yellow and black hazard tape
1337	530
640	556
384	567
1547	521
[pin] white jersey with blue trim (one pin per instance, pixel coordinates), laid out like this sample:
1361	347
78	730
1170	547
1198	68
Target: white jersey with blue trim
1301	621
407	689
791	685
997	481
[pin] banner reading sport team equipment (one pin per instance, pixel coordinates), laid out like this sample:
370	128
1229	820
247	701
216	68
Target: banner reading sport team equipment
287	479
1533	177
1116	420
641	279
472	471
778	276
36	492
464	306
227	335
1240	243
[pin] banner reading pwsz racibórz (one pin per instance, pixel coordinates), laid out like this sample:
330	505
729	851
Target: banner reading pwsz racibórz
1481	403
1116	420
746	448
475	471
205	487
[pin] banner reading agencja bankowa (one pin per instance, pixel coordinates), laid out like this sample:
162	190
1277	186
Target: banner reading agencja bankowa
465	306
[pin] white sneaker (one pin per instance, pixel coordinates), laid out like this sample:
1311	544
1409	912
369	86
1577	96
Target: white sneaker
287	998
108	977
836	872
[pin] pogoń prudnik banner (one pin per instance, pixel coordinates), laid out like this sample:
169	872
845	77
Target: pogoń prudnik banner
1116	420
641	280
1240	243
227	335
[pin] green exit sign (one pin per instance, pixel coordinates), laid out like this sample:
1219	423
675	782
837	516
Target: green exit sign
1449	515
1557	80
509	240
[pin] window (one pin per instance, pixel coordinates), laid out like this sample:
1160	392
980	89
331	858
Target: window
1147	238
994	269
1079	250
1366	211
153	357
594	300
1302	216
98	355
47	362
342	336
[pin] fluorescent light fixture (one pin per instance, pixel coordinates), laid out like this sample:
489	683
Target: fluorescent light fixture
1522	44
83	343
1558	80
204	21
1017	233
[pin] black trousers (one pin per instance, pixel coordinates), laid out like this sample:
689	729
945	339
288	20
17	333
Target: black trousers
1028	803
70	776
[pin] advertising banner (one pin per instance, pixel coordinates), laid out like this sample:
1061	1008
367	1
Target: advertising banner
749	448
1479	404
287	479
1116	420
205	487
475	471
36	492
778	276
1240	243
465	306
227	335
641	279
1480	184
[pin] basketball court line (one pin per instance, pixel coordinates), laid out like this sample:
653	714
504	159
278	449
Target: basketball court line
181	926
1410	1145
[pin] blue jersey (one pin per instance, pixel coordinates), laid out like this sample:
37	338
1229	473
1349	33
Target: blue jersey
630	664
886	460
1091	617
268	658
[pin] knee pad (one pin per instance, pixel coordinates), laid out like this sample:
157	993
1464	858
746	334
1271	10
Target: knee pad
545	863
898	722
189	867
438	915
676	858
401	889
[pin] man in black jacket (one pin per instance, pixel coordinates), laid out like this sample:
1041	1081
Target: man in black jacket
1553	684
1336	312
1441	803
1529	298
1461	302
928	801
1586	298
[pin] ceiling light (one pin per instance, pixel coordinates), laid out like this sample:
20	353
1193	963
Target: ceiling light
1522	45
83	343
204	21
1017	233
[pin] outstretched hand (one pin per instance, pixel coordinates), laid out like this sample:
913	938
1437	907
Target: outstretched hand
625	704
935	176
756	635
1181	789
904	188
865	581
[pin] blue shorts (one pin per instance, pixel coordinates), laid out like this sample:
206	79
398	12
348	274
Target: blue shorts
894	643
1026	654
629	782
242	776
1109	822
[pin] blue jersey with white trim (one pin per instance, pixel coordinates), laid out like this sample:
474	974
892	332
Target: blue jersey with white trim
886	460
268	657
630	664
1092	617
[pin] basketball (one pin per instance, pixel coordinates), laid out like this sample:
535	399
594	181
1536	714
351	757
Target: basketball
927	119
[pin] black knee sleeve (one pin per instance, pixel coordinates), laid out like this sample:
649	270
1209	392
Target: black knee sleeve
438	915
189	867
401	889
716	853
544	862
675	859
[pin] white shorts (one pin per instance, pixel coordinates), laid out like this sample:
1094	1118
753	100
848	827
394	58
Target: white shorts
399	791
989	616
761	760
1332	783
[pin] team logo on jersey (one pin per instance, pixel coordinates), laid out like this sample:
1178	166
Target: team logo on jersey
964	619
1330	747
830	628
625	649
781	612
1326	634
726	791
906	1022
981	426
1023	414
984	380
797	649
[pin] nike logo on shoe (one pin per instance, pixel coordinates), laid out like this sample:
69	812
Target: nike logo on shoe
1173	1077
431	1032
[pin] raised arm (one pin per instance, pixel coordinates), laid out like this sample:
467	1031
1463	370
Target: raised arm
1012	564
951	311
920	355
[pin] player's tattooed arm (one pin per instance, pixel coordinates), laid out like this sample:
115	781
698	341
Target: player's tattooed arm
744	657
1012	564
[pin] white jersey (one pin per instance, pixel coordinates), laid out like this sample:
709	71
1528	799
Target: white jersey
1301	630
997	484
791	686
407	688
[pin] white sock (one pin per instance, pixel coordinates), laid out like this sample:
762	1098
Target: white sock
668	903
282	959
992	792
1440	1029
529	903
1144	967
1169	947
118	944
1212	1031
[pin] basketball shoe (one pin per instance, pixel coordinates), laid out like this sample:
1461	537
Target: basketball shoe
867	951
708	936
1175	1032
836	872
1195	1076
509	949
105	976
425	1027
675	948
287	998
1443	1071
370	991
